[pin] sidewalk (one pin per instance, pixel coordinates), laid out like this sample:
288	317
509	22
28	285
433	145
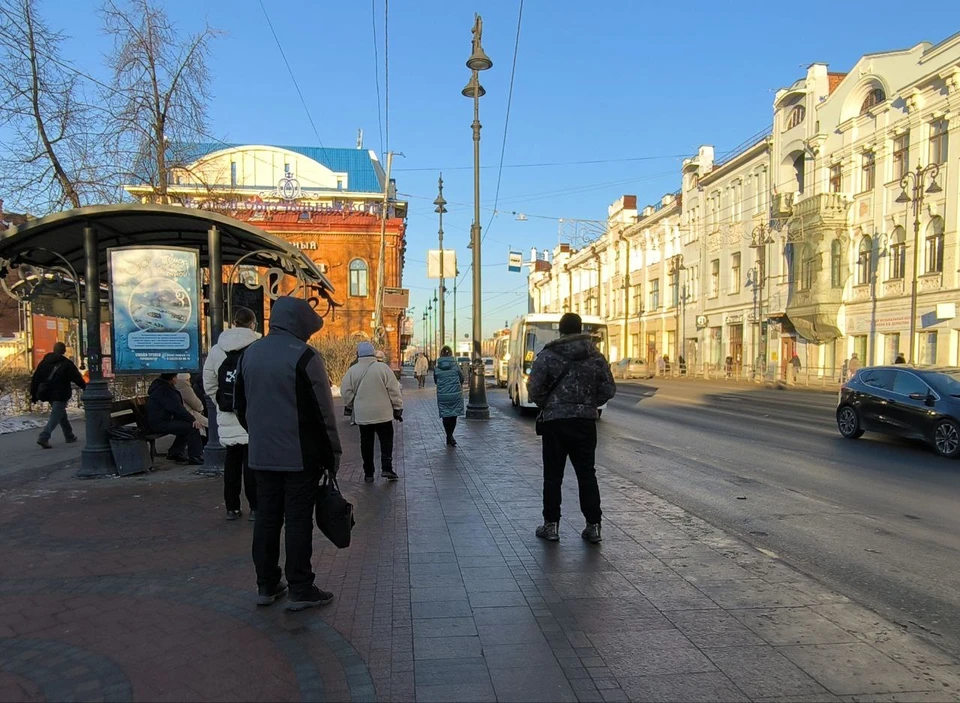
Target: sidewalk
138	589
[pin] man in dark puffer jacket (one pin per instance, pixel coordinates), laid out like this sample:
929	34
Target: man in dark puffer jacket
51	383
569	380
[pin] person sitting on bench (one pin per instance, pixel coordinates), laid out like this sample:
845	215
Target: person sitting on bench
166	415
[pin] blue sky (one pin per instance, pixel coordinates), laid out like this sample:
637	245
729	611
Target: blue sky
600	81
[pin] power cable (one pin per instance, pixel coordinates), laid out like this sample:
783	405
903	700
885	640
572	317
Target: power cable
376	70
556	163
292	76
386	74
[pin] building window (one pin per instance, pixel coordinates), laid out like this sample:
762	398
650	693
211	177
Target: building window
836	264
715	278
938	142
928	348
898	253
339	184
891	347
935	245
868	171
860	348
233	174
638	299
874	98
654	294
864	261
901	156
836	178
796	116
808	267
358	278
674	282
735	272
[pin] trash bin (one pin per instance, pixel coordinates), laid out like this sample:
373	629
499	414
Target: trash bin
131	454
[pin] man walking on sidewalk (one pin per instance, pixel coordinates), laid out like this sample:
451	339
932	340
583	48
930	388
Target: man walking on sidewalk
283	401
219	382
570	379
371	392
420	368
51	383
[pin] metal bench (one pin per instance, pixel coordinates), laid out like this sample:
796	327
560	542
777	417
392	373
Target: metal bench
133	411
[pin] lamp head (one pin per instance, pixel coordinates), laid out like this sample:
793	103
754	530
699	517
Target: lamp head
903	197
934	188
479	61
473	88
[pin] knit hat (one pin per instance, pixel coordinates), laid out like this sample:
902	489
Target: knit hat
571	323
365	349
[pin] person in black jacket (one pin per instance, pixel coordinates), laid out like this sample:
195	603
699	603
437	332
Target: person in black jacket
51	383
166	415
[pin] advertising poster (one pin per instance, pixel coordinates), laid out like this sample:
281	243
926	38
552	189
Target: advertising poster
155	294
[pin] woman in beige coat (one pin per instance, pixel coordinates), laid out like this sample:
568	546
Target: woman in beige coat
191	402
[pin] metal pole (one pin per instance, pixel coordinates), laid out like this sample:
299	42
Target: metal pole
214	454
443	290
455	311
95	459
917	204
379	332
477	408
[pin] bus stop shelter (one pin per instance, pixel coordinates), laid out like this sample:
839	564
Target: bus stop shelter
76	241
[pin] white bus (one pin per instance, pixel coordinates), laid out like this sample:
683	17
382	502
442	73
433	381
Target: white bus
528	335
501	355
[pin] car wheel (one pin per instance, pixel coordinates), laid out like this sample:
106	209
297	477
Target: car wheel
848	422
946	439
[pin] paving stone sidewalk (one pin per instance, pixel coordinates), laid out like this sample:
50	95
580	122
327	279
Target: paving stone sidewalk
138	589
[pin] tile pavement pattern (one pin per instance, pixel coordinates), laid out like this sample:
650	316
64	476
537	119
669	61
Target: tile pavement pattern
138	589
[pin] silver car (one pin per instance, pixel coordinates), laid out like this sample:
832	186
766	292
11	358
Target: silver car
631	367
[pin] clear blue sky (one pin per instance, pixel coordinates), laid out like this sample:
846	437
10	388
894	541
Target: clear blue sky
594	81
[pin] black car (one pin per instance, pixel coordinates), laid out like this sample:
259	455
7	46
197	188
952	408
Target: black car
907	402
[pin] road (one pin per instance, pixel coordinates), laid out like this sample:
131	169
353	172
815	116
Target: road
876	519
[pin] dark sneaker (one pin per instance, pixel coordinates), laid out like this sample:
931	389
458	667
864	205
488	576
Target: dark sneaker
368	478
176	457
71	440
44	443
310	599
267	595
234	514
591	533
390	475
451	442
549	531
252	517
195	461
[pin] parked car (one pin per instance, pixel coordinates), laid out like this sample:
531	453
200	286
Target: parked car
631	368
488	367
897	400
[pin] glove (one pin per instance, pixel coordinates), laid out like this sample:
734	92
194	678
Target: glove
398	415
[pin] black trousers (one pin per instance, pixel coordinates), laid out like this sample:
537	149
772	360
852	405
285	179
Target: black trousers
449	425
575	438
384	432
236	475
186	436
285	499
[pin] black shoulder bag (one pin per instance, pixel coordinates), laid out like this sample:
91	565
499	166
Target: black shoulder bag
538	426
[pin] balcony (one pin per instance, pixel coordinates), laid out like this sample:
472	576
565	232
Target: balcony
783	205
822	209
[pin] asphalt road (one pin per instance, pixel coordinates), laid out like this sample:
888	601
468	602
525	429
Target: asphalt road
877	519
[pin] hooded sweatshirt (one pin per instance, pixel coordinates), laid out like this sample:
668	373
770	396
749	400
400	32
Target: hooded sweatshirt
283	398
586	385
231	340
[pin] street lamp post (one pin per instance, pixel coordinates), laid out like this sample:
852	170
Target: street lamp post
759	240
914	180
441	208
426	348
477	408
430	329
676	266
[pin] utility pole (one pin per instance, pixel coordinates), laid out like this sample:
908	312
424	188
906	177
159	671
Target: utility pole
455	278
441	208
379	329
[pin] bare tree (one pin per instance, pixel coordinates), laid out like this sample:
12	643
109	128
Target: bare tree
161	89
49	158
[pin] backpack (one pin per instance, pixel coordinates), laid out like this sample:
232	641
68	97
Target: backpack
227	380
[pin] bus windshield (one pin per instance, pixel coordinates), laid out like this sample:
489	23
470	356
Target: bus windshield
539	334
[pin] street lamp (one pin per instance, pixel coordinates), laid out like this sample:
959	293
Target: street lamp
676	266
436	318
477	408
759	240
915	180
430	330
441	208
426	348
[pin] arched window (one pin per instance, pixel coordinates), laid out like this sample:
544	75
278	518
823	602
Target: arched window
935	245
796	116
808	267
898	253
874	98
358	278
864	261
836	264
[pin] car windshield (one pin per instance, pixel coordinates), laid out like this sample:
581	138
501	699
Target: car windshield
946	382
488	362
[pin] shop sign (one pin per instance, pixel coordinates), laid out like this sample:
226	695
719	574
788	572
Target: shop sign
734	320
155	298
701	321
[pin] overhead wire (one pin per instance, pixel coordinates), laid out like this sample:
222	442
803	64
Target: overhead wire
376	70
386	74
555	163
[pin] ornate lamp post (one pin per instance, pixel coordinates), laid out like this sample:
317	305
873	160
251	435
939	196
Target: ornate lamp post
441	208
477	408
676	266
759	239
426	348
914	181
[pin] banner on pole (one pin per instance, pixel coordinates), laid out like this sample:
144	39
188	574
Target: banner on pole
515	262
449	263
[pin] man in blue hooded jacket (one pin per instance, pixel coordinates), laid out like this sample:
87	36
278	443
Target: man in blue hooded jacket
283	400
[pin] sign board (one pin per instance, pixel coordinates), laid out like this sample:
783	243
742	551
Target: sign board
515	262
449	263
398	298
155	306
407	329
734	319
701	321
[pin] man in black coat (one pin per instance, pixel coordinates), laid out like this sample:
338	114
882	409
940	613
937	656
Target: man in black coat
166	415
51	383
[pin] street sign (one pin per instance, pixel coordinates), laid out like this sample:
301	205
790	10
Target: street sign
449	263
397	298
515	262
